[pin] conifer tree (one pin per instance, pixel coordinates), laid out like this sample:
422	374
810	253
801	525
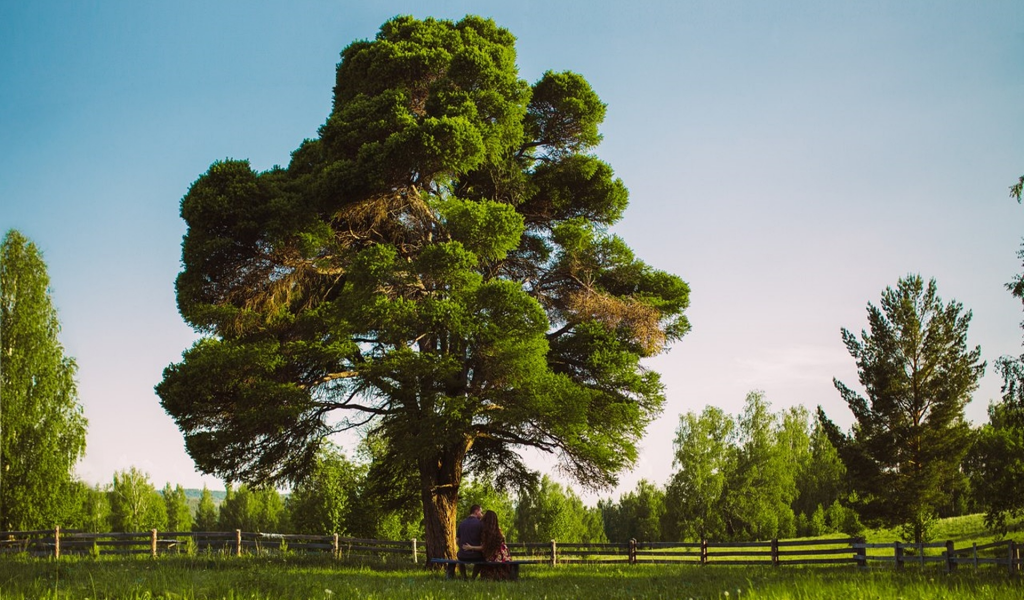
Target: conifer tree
910	435
436	268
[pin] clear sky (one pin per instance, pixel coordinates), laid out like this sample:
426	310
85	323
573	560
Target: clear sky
788	159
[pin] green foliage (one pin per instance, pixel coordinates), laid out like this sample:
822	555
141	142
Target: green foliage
207	513
763	465
256	510
135	505
322	502
705	457
910	434
759	476
997	461
821	474
637	515
42	429
91	509
547	511
387	504
434	269
179	515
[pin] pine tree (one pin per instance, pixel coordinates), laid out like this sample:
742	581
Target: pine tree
911	435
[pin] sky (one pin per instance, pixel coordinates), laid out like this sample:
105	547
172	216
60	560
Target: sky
789	160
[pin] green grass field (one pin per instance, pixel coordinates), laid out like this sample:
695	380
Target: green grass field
307	577
961	530
209	577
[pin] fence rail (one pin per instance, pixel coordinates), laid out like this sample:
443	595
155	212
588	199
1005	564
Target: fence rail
839	551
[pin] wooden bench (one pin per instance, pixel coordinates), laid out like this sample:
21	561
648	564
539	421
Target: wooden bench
451	563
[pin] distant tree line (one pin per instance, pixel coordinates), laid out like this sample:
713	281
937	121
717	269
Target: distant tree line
759	475
334	498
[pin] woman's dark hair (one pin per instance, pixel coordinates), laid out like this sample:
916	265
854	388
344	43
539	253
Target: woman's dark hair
491	537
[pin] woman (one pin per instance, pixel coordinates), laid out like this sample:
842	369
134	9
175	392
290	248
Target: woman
492	545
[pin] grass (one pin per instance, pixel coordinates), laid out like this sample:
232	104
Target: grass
211	577
963	531
208	578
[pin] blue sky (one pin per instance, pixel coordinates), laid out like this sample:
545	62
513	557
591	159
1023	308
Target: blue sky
789	160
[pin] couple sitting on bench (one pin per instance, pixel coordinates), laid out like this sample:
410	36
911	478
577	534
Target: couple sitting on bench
479	539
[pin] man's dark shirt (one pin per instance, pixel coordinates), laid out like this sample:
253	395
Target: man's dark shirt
468	532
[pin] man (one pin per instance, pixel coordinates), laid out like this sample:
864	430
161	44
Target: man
468	532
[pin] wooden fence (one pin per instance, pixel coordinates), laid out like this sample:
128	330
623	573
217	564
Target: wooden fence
57	543
839	551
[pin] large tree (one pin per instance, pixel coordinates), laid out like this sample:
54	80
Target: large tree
910	435
998	460
434	268
42	429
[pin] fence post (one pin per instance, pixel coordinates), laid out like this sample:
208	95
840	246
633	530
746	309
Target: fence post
898	550
703	552
554	553
238	542
415	559
631	553
152	542
775	552
56	541
336	547
862	556
950	557
1011	547
1016	557
974	554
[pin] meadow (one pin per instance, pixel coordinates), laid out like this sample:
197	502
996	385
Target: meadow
216	577
211	576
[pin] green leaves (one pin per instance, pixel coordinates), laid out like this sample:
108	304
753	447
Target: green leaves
578	186
563	115
434	268
242	411
42	428
918	374
488	229
427	99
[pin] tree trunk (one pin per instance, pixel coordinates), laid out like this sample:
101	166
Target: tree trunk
440	476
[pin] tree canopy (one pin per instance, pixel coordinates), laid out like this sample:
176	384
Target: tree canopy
910	434
135	505
999	457
756	476
436	269
323	499
42	428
